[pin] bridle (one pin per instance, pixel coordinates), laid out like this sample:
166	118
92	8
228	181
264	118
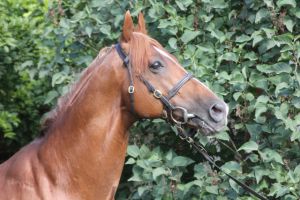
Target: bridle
169	110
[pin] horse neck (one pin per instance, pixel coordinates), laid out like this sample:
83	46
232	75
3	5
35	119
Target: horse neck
87	145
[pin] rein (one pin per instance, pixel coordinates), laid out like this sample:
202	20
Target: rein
170	108
200	149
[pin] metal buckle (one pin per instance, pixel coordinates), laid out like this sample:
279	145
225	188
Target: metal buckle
181	132
189	140
157	94
131	89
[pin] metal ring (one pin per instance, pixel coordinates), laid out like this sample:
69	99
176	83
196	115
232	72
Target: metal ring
184	115
131	89
157	94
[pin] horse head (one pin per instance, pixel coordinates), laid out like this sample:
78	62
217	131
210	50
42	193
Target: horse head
160	87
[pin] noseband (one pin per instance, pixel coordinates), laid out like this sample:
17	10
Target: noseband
169	108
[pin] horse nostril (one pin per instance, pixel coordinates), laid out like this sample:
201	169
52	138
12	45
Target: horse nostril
217	112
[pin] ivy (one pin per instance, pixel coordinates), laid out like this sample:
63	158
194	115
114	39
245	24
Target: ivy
246	51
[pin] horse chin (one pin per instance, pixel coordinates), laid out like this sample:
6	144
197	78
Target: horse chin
198	124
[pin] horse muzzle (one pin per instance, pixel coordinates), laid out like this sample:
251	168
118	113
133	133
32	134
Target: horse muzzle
213	123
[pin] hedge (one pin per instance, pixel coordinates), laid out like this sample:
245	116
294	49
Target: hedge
246	51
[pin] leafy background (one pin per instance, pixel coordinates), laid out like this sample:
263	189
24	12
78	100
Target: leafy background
246	51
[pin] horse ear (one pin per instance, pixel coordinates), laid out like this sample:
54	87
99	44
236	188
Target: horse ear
141	24
128	27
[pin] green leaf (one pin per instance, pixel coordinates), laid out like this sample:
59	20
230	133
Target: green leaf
262	13
281	3
164	23
9	135
130	161
259	173
237	95
251	56
234	185
64	23
249	146
133	151
189	35
135	178
296	12
289	23
142	189
243	38
259	110
218	4
158	171
269	155
223	136
254	130
269	32
180	161
58	78
295	135
278	189
105	29
51	96
88	30
232	166
256	40
275	68
172	43
218	34
229	56
212	189
269	3
262	99
144	151
26	64
78	16
180	5
266	45
279	88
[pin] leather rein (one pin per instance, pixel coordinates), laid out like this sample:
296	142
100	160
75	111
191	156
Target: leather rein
169	109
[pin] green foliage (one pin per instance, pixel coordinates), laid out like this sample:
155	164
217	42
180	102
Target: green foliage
246	51
20	89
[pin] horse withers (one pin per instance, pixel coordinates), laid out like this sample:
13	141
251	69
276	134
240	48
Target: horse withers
82	153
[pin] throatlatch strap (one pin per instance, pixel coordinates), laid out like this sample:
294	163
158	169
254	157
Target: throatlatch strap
125	59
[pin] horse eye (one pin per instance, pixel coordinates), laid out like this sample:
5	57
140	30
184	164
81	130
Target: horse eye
156	65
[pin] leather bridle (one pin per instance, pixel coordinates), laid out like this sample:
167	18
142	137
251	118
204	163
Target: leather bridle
169	110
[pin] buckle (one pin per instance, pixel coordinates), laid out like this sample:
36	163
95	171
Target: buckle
157	94
131	89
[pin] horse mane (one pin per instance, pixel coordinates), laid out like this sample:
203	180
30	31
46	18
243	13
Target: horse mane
75	90
139	52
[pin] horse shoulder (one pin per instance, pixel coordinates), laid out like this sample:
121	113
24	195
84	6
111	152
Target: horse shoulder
18	174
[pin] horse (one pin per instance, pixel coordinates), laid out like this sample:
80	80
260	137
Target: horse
82	153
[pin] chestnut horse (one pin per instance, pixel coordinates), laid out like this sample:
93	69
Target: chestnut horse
82	152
